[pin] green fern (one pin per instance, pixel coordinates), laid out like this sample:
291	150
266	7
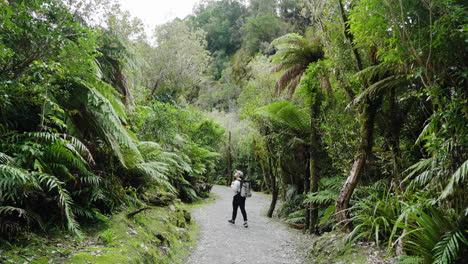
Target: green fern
448	248
460	176
285	113
7	210
322	197
65	201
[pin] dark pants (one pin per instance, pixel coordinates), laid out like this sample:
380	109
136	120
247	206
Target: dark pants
238	201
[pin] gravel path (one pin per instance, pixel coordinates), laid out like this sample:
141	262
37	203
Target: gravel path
264	241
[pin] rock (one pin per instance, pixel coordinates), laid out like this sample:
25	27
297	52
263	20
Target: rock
172	208
187	216
132	232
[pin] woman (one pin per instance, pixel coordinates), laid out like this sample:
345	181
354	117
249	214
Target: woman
238	200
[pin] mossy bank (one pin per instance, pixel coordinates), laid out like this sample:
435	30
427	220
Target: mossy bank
154	235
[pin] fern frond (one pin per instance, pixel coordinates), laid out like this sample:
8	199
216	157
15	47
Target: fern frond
12	176
458	177
448	248
64	200
5	159
287	114
8	210
380	87
322	197
80	148
421	165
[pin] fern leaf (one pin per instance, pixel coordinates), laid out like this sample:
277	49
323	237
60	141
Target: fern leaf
65	201
447	249
7	210
458	177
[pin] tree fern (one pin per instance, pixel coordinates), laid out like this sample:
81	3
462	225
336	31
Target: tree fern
287	114
294	53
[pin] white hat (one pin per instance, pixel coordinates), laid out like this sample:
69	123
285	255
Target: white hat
241	174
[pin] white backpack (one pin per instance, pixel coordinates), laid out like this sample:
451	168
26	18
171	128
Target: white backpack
245	188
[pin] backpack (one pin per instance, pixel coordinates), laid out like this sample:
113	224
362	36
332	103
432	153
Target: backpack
245	188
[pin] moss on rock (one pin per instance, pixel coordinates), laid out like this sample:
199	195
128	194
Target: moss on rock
156	235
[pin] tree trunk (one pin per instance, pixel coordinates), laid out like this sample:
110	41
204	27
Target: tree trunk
264	185
367	119
274	189
314	178
306	189
350	36
396	121
316	153
326	87
120	83
229	161
346	88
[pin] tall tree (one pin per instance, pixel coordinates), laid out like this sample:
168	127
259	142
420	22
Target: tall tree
179	61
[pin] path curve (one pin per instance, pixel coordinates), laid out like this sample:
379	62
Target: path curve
263	242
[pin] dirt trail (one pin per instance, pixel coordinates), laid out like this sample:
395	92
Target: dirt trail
264	241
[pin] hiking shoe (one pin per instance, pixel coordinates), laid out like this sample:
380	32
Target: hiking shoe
246	224
231	221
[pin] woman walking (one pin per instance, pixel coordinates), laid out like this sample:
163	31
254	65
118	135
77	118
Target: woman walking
238	200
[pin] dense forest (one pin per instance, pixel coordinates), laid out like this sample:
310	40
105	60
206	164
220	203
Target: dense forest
353	112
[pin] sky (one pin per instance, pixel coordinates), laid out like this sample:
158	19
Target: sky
157	12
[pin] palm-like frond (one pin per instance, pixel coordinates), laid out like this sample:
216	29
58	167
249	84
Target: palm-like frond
378	88
456	179
447	250
295	49
323	197
14	182
103	115
6	210
65	201
5	159
285	113
294	53
289	77
432	234
157	171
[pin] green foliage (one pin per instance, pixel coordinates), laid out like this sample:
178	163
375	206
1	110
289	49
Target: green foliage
260	31
294	54
23	182
75	102
285	113
178	61
433	235
375	216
